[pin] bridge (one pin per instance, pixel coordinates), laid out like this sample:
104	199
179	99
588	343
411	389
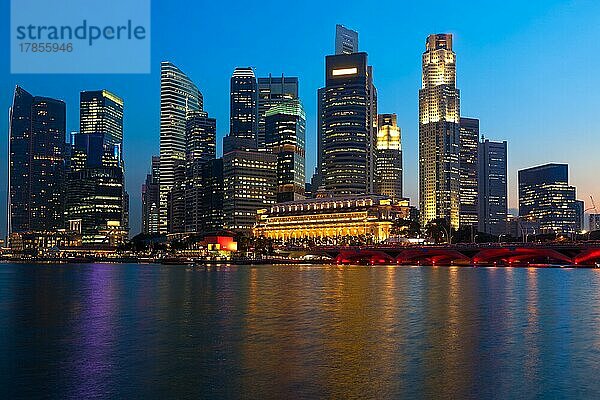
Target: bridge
582	254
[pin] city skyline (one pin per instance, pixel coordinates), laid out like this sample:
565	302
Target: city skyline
390	101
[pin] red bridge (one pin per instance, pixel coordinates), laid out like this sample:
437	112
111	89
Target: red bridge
501	254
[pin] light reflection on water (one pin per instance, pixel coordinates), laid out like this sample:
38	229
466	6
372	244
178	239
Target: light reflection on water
85	331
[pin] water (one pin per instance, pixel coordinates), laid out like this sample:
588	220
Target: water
149	331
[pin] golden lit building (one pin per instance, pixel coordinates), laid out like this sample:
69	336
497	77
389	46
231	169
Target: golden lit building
389	157
439	136
368	216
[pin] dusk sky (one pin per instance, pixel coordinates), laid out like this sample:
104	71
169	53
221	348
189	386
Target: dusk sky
527	70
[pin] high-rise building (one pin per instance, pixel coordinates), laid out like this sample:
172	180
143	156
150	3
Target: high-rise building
439	136
97	204
580	215
272	92
594	222
468	167
101	112
285	137
389	157
350	125
250	184
178	97
546	197
492	187
150	199
320	131
176	200
201	132
95	195
243	117
346	40
36	163
213	216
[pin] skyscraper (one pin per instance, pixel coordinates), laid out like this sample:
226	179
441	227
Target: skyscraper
389	157
492	187
350	125
101	111
346	40
213	216
243	117
178	97
201	132
150	199
320	132
37	164
271	92
285	137
97	204
546	197
95	195
439	137
468	164
250	183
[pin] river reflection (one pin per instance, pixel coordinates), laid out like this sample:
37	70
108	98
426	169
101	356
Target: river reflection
106	331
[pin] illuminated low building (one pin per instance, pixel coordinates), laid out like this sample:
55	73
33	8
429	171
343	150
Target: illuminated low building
368	216
39	242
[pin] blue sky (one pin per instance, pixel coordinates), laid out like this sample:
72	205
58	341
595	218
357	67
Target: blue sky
527	70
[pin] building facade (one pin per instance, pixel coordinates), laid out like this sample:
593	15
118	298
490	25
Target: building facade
546	197
36	163
594	221
468	169
330	220
346	40
285	126
213	216
439	136
389	157
201	137
178	96
150	199
349	125
273	91
101	112
243	115
250	184
493	187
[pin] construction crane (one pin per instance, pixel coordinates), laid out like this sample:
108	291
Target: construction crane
593	207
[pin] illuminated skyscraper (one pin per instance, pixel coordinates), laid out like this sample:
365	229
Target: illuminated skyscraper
101	112
201	132
492	187
468	161
389	157
178	97
546	197
346	40
285	137
243	117
271	92
36	163
250	184
349	125
439	136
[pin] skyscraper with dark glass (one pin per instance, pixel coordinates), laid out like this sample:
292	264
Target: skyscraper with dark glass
201	132
546	197
285	126
349	125
243	105
36	163
178	96
439	136
468	167
271	92
492	187
97	204
346	40
213	216
389	157
150	199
